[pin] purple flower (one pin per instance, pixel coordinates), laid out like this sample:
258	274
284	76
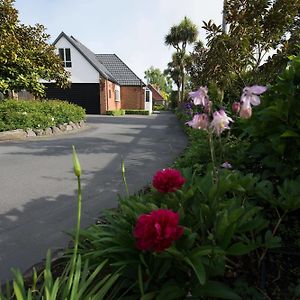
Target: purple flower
220	121
200	121
188	105
200	96
250	97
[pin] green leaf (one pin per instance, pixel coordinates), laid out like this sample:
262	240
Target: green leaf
149	296
170	292
290	133
217	290
240	249
198	267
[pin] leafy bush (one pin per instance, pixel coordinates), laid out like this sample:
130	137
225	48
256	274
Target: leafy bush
117	112
159	107
274	129
37	114
220	224
136	112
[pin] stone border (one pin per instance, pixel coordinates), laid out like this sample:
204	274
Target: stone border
19	134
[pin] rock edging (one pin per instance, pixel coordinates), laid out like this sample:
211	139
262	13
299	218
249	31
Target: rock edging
19	134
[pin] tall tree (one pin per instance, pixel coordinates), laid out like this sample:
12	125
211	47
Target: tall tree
179	37
157	78
25	55
256	28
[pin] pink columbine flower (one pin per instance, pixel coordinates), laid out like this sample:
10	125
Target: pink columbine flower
200	96
200	121
250	97
226	165
220	121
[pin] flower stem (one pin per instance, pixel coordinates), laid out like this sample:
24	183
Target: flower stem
273	233
77	232
124	178
213	155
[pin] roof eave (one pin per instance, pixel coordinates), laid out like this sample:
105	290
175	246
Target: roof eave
62	34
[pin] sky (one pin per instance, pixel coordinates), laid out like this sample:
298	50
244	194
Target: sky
132	29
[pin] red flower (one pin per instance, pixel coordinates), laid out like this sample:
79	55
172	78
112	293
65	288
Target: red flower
156	231
168	180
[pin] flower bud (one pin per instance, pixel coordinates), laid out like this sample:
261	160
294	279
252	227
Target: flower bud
245	112
76	164
236	106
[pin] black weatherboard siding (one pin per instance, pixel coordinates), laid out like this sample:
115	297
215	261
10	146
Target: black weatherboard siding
87	95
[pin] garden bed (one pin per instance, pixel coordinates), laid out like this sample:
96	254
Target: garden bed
39	115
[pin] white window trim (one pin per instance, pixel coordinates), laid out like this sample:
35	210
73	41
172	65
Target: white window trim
117	94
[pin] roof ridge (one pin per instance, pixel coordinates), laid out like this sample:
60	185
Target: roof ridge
88	55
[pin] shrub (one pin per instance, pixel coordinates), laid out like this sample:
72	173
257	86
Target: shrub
136	112
159	107
25	114
117	112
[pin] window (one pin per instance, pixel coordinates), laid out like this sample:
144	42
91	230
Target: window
109	93
117	93
65	55
147	96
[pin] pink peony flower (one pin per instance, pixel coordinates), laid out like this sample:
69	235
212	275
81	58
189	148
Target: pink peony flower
200	96
157	230
250	97
220	121
168	180
200	121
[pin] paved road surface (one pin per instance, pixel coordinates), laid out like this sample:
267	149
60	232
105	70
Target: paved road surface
38	187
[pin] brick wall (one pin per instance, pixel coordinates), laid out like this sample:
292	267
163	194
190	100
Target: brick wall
132	97
107	96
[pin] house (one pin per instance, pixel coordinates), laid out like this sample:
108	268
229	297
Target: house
157	97
99	82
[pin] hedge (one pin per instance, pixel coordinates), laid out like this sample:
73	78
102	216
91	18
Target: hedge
23	114
136	112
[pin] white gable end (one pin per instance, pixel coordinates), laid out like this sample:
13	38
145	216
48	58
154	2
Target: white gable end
81	71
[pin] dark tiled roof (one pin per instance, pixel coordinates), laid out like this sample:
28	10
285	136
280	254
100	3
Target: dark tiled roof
89	55
119	70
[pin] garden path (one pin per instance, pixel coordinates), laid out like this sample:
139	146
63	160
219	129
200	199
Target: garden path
38	187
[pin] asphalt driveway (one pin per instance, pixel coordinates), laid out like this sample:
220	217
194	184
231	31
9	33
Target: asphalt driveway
38	187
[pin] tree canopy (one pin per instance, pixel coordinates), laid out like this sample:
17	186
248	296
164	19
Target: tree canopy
257	28
179	37
158	79
25	55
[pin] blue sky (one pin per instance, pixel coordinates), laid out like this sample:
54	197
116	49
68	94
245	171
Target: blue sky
133	29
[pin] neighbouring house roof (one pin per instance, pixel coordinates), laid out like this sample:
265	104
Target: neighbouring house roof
156	95
120	71
110	66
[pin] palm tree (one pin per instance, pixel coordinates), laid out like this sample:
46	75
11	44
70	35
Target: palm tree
179	37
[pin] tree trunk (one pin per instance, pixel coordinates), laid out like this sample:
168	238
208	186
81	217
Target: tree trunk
182	86
178	95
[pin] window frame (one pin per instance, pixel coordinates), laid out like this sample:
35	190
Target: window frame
65	55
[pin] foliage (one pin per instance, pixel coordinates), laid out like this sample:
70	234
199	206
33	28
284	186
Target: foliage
37	114
274	130
117	112
136	112
179	37
159	80
159	107
256	28
25	55
217	229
